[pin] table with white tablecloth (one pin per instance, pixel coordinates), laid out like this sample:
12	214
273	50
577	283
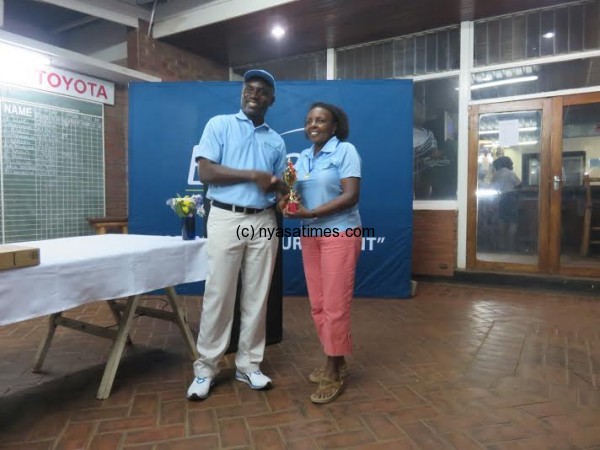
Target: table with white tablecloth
78	270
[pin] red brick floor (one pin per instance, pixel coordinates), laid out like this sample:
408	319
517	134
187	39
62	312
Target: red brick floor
456	367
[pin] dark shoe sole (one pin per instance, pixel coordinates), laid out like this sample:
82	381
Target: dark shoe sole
266	387
197	398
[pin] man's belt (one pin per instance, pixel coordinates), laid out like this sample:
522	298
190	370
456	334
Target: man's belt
238	209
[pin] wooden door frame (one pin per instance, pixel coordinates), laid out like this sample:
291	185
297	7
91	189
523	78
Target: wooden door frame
544	105
558	104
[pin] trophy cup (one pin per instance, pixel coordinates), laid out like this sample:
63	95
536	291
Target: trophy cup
289	178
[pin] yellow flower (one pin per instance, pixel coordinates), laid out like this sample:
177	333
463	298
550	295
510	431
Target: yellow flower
187	205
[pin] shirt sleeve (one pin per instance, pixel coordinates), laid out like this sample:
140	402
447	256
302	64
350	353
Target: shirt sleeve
281	162
350	163
516	179
211	142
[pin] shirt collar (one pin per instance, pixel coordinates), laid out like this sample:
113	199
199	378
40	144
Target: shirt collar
241	116
329	147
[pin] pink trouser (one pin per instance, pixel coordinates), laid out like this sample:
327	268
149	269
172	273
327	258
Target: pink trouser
329	268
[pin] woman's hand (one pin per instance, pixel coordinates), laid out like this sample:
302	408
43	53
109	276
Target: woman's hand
301	213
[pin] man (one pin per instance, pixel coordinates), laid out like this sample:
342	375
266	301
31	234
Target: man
240	157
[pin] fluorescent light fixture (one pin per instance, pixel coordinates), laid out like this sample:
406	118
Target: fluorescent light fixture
13	55
277	31
486	192
503	82
548	35
20	64
497	144
497	131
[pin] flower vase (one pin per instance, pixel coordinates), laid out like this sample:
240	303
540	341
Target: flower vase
188	228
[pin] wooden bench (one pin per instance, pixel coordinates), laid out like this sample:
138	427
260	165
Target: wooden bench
102	224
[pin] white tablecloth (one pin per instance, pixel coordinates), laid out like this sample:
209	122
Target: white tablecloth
79	270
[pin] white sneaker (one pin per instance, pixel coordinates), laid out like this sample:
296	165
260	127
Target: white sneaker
200	388
256	380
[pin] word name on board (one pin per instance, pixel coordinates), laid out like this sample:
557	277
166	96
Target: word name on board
19	110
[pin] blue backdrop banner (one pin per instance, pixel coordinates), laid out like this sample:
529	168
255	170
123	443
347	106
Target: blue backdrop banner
166	121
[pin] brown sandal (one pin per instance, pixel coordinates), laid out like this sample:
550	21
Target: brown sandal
327	391
317	375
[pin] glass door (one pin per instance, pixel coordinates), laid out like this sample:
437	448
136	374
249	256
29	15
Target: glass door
575	196
509	159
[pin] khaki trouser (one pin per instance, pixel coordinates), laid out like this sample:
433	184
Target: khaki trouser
230	247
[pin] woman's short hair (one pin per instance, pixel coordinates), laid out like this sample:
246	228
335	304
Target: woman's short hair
503	161
340	119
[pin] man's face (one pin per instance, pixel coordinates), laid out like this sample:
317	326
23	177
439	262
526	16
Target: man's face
257	96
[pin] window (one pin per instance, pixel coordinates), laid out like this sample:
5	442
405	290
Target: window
435	139
542	32
311	66
532	79
430	52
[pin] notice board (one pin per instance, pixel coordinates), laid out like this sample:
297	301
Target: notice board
51	164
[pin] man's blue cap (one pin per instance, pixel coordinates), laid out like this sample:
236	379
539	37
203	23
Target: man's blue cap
262	74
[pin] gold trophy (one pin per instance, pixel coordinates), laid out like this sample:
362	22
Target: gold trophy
289	178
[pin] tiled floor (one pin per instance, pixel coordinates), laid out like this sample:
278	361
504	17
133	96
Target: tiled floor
456	367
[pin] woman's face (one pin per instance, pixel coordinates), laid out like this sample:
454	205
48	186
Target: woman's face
319	126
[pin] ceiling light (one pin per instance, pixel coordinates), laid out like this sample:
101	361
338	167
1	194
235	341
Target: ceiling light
497	131
497	144
486	192
22	57
502	82
548	35
20	64
277	31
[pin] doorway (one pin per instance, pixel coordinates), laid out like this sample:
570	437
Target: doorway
534	186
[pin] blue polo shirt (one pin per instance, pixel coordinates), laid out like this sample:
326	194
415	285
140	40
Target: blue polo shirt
232	140
318	182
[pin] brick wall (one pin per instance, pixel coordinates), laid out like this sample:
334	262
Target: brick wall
154	58
434	242
168	62
115	154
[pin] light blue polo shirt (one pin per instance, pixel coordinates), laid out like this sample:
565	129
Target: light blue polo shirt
233	141
318	182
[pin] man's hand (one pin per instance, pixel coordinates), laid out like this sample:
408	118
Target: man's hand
265	180
282	203
280	187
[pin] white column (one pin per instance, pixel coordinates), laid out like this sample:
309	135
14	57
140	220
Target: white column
331	66
464	97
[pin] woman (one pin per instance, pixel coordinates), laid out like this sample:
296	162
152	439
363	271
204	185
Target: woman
328	184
